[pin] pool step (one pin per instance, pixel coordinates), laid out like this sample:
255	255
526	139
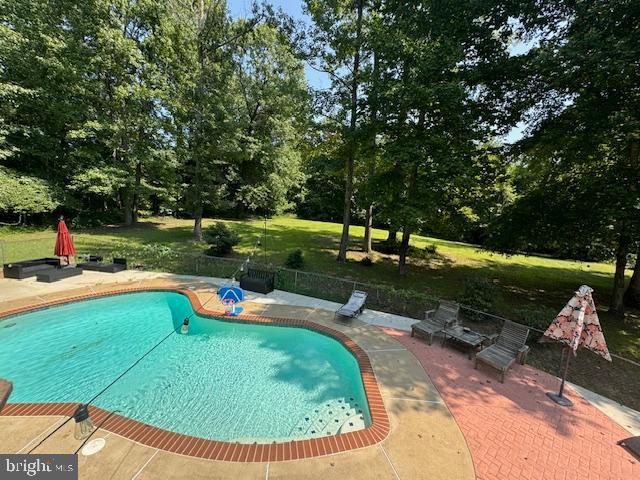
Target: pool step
335	416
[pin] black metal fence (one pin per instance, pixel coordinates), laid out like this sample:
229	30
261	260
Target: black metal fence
619	380
379	297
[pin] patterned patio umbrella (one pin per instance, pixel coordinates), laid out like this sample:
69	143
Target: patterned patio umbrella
577	325
64	242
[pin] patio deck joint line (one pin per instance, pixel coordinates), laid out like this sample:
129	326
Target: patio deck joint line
376	350
218	450
51	427
145	465
440	402
395	472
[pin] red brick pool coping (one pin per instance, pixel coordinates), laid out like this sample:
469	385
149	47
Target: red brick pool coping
217	450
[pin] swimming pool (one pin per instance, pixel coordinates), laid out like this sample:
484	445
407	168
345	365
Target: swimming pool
226	381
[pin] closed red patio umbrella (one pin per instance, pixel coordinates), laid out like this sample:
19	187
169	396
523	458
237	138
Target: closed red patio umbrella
64	242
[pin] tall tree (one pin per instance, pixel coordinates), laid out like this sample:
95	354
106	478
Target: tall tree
45	83
337	38
132	116
272	116
201	77
372	126
86	96
581	90
439	61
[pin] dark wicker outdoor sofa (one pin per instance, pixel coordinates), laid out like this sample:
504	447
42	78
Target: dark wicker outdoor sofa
95	264
56	274
29	268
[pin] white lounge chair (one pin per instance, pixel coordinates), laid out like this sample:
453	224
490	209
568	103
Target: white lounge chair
354	306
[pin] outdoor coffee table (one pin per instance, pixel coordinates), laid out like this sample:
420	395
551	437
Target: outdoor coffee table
468	339
54	274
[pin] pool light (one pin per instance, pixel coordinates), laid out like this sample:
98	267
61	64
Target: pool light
185	326
84	426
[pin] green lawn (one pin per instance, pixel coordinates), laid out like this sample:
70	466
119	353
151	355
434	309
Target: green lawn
523	281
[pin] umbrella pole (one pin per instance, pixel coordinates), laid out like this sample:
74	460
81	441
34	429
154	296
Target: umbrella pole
559	398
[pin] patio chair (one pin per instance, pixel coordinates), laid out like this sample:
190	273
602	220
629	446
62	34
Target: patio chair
354	306
509	347
437	320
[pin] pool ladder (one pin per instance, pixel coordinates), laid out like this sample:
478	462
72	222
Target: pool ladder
339	415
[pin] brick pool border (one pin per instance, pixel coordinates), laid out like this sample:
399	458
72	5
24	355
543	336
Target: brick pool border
155	437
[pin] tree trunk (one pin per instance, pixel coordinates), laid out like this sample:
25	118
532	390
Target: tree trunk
406	229
392	236
368	223
155	205
368	228
136	194
632	295
131	201
197	224
127	206
197	180
617	295
346	216
197	203
348	191
404	248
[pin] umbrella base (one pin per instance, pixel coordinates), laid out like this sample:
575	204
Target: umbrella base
560	399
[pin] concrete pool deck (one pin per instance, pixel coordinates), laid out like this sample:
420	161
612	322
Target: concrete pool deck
424	440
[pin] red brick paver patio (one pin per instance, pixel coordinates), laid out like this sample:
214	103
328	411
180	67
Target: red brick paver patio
514	431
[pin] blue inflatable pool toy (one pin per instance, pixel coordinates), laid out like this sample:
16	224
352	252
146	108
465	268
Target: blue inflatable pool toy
230	296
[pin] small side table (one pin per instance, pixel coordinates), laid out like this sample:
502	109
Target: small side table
468	339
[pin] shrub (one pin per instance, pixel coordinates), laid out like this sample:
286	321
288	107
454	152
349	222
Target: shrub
295	260
431	249
479	293
537	317
387	247
367	262
221	239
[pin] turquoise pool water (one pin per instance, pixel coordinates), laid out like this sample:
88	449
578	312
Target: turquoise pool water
223	380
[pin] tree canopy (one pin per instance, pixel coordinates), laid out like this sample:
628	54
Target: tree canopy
112	108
